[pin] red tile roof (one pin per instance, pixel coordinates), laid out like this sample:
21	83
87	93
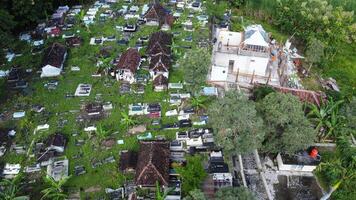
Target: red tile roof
157	12
153	163
160	63
160	80
159	42
54	55
129	60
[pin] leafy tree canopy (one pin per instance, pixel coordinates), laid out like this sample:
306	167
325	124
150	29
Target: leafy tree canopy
195	65
316	19
192	174
195	194
288	128
237	127
233	193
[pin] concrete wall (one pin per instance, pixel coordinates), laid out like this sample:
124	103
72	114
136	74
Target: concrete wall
291	167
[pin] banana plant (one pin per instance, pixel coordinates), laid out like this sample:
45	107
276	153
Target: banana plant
54	190
11	189
198	103
326	117
127	120
338	170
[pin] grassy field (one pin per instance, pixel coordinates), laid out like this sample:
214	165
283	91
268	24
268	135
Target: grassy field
105	89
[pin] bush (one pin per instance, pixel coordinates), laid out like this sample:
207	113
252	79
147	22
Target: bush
259	92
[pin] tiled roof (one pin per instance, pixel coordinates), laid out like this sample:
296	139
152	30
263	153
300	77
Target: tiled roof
160	63
54	55
129	60
153	163
160	80
158	13
128	160
58	140
160	43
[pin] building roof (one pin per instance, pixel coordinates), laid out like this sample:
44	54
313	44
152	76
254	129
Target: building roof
160	80
129	60
128	160
58	140
160	63
54	55
256	35
153	163
158	12
159	42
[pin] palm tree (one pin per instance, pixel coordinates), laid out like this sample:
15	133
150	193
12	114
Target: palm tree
337	171
54	191
127	120
326	117
10	189
198	103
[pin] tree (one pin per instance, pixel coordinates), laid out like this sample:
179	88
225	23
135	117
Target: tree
326	117
216	9
288	130
195	194
348	111
259	92
192	174
314	52
198	102
233	193
315	19
195	65
340	170
54	190
238	128
11	188
127	120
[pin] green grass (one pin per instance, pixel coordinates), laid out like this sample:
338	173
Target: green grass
343	69
59	107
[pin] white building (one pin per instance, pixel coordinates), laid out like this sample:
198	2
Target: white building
243	58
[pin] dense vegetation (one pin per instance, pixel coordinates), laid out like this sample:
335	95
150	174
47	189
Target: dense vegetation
323	30
323	27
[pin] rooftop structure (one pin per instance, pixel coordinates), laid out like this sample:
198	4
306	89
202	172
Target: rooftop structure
53	60
153	163
243	58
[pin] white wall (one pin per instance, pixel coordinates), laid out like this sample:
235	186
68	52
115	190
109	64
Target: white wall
290	167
